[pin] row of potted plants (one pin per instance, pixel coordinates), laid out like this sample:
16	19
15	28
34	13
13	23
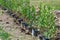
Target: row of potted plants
43	20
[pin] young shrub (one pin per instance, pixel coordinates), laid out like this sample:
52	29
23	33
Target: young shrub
47	21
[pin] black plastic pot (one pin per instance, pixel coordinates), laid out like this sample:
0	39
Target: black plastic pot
10	14
8	11
20	21
13	15
30	30
58	36
40	38
25	25
43	38
58	27
36	33
46	39
57	39
4	8
16	17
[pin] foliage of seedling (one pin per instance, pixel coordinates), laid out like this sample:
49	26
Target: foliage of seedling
46	20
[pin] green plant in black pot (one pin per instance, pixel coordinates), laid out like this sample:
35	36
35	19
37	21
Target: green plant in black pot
47	21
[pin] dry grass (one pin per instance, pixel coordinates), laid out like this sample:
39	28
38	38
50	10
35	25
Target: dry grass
55	3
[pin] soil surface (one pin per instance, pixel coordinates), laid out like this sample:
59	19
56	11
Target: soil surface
9	26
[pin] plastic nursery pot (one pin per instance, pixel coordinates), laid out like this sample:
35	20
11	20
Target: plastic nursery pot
4	8
35	32
43	38
9	12
15	16
30	29
57	39
19	20
58	27
58	36
47	39
25	25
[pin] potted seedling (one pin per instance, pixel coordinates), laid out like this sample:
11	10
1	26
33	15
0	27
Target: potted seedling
46	21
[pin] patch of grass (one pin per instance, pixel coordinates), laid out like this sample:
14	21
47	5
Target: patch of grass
53	3
3	35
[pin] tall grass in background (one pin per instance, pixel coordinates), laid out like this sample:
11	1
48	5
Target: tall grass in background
53	3
44	21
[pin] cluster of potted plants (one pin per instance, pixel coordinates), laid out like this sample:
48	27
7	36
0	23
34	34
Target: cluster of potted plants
34	23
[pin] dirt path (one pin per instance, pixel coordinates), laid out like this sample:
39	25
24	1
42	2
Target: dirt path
9	26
